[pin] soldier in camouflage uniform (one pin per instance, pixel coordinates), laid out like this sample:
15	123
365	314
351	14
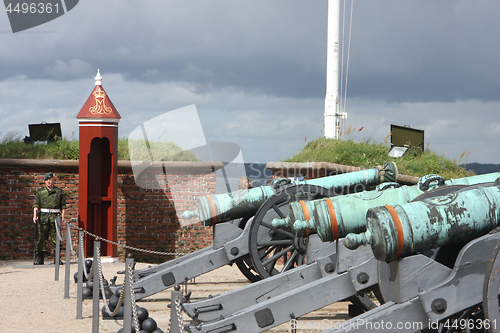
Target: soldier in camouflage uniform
49	203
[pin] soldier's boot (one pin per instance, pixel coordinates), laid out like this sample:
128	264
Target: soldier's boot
41	256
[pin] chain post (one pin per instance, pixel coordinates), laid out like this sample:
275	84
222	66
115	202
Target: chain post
176	323
132	294
57	254
79	297
95	294
127	301
67	262
178	310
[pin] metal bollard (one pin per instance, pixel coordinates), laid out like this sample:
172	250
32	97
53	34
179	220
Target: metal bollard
95	294
79	293
66	264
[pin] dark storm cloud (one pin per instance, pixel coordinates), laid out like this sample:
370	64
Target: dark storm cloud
401	50
277	47
426	50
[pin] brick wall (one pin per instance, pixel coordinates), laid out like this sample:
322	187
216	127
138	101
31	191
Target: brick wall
147	218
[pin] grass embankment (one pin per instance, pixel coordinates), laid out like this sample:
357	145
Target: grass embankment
368	155
349	152
12	146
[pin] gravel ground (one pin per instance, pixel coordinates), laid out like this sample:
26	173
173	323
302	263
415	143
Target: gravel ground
32	301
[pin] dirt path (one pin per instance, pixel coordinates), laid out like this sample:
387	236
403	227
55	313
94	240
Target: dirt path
32	301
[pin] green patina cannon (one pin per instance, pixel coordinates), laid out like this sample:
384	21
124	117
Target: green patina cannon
335	217
212	209
396	231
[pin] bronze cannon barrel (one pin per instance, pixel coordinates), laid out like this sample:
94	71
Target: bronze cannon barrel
401	230
212	209
335	217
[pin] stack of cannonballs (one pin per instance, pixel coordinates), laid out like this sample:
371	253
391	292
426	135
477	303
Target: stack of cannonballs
146	323
87	290
88	266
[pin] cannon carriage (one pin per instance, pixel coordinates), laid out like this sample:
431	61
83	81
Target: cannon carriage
287	231
454	290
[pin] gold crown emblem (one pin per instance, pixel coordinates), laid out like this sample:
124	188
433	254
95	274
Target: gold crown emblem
100	106
99	93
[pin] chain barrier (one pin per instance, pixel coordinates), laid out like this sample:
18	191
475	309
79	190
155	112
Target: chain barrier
82	254
179	314
132	295
58	232
178	307
293	325
101	285
178	311
130	247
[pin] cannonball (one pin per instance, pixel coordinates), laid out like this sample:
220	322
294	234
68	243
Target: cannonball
149	325
118	291
108	292
90	284
120	313
105	313
75	276
142	314
88	264
86	292
113	302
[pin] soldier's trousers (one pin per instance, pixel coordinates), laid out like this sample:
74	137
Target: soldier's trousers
46	229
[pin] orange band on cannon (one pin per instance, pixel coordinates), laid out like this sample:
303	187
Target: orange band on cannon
212	206
306	215
399	229
333	219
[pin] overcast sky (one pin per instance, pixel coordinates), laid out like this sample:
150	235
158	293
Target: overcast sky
256	70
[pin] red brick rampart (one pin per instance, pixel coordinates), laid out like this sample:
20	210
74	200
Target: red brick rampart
147	218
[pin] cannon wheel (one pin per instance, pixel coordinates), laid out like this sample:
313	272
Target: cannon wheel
269	246
246	268
244	264
491	289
